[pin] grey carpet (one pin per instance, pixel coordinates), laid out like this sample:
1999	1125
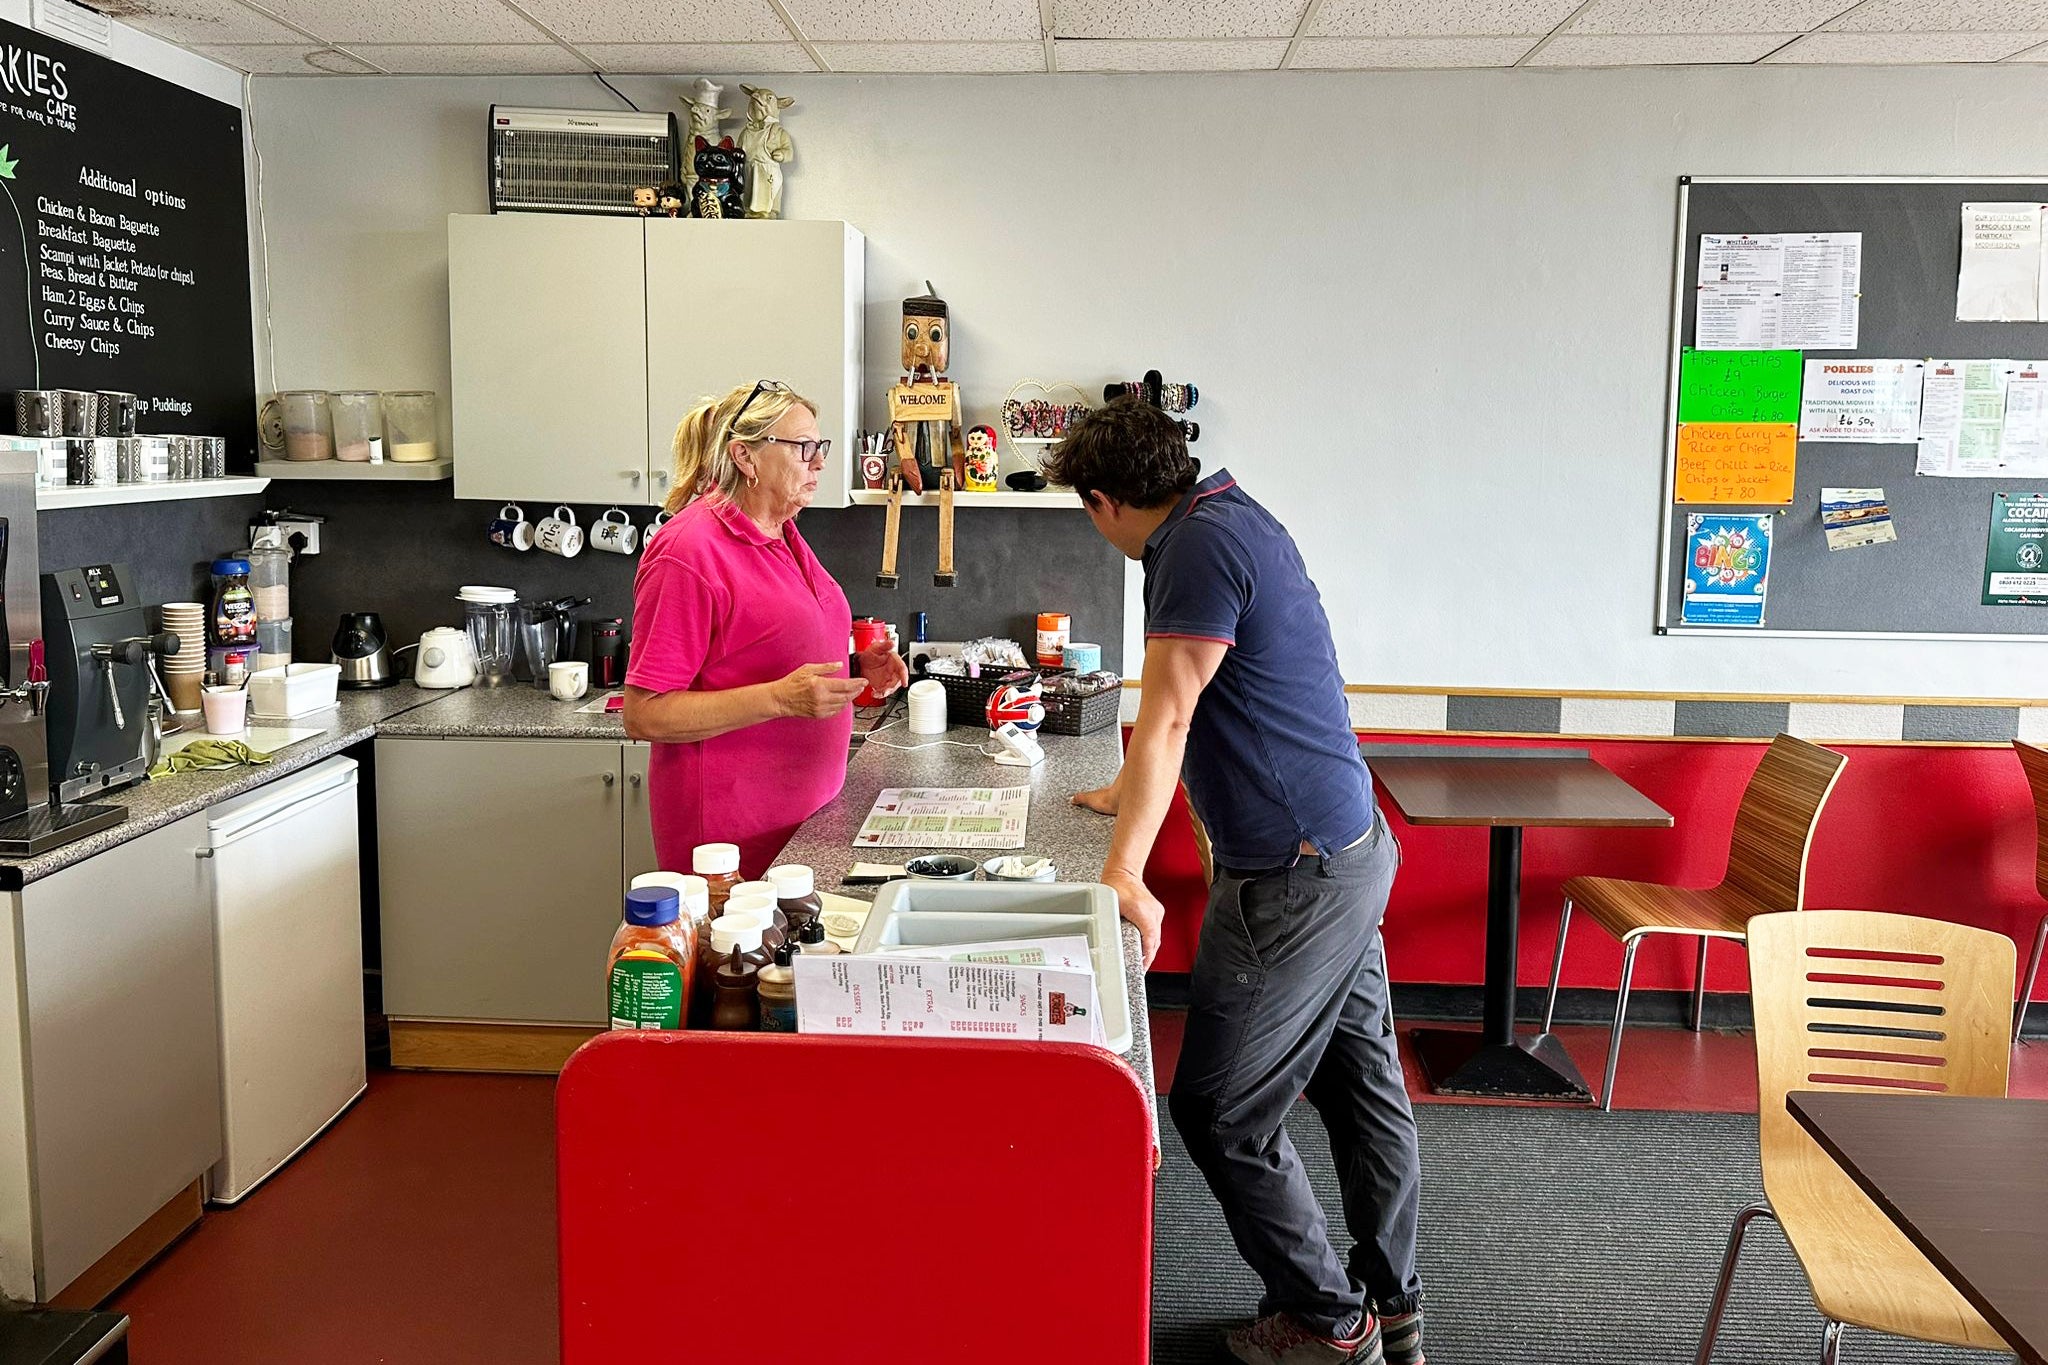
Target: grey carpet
1549	1237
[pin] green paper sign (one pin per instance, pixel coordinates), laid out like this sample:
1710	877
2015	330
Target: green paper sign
1739	386
2016	553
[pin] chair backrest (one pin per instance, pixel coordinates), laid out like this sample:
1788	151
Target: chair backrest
1868	1001
926	1185
1203	850
2034	762
1775	822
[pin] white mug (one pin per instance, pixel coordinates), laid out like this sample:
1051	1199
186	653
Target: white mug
512	530
568	680
660	520
615	533
559	534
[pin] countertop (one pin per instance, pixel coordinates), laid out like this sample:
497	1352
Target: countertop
1076	840
517	711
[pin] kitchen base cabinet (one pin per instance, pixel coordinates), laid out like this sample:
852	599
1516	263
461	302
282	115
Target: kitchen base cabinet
498	872
639	833
110	1109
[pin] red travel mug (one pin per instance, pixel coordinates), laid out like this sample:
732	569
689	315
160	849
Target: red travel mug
867	630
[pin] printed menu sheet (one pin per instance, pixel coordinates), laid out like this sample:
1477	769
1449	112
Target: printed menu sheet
947	817
1779	291
1861	400
2000	278
913	996
1984	419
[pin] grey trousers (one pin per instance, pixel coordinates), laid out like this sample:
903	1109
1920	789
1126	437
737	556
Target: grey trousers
1289	996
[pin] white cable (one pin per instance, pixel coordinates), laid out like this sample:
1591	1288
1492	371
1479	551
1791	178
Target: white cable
262	225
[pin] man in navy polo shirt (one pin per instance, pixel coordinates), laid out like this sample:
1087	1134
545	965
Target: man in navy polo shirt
1244	703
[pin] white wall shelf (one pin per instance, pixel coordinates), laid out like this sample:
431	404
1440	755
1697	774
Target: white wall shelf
1051	498
357	470
105	495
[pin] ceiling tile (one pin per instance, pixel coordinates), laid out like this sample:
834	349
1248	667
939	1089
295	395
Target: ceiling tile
420	21
1944	16
274	59
1378	54
2032	54
1439	18
1658	49
916	20
1177	18
933	57
470	59
212	22
724	59
1230	54
659	21
1706	16
1905	49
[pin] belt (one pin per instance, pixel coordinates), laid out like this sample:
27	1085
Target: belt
1307	850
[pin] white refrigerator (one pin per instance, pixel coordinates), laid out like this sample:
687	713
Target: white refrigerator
288	944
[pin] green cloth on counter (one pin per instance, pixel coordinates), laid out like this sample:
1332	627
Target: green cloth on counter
207	756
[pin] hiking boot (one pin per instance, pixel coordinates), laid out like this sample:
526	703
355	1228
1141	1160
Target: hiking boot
1278	1339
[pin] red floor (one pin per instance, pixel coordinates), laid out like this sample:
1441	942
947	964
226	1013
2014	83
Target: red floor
420	1229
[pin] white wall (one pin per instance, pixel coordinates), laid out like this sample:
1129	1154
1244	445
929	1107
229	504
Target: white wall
1428	312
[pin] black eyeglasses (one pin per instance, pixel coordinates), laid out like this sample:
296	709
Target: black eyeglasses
812	453
760	387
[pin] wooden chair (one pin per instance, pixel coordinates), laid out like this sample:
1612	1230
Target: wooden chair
1863	1000
2035	762
1766	871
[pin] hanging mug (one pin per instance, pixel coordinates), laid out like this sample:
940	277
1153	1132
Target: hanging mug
615	533
661	519
511	530
559	534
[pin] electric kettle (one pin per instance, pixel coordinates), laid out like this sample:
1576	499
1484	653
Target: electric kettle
446	659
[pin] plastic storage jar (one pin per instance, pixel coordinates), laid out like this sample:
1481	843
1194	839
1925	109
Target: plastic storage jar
410	426
270	579
308	425
358	424
273	638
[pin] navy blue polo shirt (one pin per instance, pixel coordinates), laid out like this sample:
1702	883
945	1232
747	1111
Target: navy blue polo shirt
1271	758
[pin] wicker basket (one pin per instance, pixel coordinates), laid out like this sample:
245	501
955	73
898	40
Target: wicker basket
967	701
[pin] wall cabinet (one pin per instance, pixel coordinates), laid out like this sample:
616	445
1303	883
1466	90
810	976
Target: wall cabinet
579	343
121	1052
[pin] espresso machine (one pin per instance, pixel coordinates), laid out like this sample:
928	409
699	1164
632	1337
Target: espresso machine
102	666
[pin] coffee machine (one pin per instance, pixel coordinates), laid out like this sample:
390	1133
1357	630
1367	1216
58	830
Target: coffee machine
102	672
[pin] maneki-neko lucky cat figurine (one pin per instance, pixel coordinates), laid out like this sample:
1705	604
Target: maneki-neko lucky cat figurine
721	180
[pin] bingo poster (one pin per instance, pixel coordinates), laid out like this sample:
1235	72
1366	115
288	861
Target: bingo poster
1727	569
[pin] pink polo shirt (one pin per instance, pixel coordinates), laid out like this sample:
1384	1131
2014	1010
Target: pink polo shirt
718	604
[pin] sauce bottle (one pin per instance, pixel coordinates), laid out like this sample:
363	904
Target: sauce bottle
811	939
736	1010
773	927
719	866
796	894
730	932
650	962
777	991
695	908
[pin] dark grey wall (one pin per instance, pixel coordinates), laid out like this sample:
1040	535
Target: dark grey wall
168	545
403	550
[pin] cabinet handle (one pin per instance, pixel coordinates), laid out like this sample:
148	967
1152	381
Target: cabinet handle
632	476
202	853
634	779
661	477
610	779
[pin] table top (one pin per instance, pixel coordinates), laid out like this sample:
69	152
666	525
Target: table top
1965	1179
1480	786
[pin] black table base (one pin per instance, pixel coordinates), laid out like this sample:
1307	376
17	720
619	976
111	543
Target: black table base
1496	1062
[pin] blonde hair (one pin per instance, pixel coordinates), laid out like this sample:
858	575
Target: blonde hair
703	442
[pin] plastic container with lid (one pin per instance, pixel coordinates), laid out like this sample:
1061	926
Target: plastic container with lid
308	425
270	579
796	893
694	893
487	617
719	866
652	962
776	991
774	928
273	637
358	425
411	425
233	620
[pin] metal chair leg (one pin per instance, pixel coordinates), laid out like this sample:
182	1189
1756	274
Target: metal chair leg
1564	924
1831	1343
1628	970
1699	985
2019	1013
1723	1286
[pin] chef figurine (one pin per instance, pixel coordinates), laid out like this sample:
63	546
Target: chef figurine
924	407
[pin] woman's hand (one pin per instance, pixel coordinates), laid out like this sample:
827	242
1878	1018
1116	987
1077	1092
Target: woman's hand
816	691
883	668
1102	800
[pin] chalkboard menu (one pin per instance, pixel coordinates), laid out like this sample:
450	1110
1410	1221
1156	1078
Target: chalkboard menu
128	266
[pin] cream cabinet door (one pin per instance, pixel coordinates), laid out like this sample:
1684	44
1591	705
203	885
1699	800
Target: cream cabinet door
639	840
733	302
548	347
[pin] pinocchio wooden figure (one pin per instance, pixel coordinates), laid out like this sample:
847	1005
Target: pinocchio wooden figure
924	414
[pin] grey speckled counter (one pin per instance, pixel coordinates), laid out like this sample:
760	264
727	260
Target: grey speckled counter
152	805
518	711
1076	840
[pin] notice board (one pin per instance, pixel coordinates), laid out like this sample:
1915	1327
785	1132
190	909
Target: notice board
1930	582
124	250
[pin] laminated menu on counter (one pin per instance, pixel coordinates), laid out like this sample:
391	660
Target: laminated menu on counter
916	997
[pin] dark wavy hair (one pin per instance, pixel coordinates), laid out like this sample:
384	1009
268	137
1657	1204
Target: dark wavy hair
1128	451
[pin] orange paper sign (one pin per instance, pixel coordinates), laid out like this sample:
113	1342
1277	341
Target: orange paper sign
1742	463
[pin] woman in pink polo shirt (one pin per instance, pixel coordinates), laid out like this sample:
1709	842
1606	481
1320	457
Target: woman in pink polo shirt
739	666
